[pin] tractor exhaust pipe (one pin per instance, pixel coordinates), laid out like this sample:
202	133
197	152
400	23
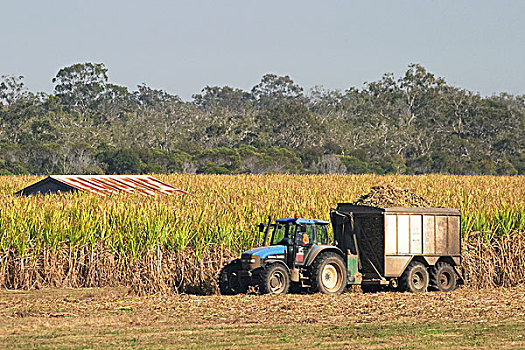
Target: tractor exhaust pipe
267	231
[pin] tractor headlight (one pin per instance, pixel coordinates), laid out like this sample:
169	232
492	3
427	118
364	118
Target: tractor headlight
250	262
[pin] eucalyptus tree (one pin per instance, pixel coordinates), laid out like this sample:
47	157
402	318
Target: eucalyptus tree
80	85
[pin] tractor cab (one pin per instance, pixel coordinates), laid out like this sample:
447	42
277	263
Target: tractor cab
290	240
301	231
299	236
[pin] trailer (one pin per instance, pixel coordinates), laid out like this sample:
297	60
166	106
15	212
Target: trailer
411	249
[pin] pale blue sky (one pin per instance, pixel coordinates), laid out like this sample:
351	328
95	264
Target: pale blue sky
182	46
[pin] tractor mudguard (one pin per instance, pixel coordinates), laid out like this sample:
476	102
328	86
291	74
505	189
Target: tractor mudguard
275	261
317	249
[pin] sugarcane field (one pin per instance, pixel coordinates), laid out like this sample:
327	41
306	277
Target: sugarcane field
129	270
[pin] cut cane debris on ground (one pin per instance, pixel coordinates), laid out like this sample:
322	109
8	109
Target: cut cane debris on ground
112	318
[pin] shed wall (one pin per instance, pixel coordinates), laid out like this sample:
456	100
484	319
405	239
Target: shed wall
46	187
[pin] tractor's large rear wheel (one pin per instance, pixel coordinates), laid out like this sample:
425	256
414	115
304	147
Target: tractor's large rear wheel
274	279
229	281
328	274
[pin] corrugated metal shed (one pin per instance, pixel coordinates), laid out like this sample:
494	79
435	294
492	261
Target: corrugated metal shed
102	184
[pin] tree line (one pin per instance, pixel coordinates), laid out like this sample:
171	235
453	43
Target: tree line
412	124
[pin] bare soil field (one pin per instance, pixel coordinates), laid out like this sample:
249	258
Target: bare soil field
113	318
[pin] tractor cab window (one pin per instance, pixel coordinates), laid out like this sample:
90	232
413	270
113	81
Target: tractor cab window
281	232
322	234
305	234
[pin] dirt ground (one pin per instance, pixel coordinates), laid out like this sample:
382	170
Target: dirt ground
112	318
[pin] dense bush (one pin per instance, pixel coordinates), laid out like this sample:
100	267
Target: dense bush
414	124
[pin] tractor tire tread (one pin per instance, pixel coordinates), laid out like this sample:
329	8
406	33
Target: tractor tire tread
224	280
265	274
316	267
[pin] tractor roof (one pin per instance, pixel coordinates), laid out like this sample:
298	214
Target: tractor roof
302	221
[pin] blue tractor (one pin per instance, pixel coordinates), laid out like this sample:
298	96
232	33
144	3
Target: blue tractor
299	255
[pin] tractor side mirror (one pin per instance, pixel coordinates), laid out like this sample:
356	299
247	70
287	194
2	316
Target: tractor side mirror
262	227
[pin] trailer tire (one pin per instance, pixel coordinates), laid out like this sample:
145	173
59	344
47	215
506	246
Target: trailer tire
443	277
274	279
328	274
415	278
229	282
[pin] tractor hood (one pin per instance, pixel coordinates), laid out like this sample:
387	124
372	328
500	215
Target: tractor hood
264	252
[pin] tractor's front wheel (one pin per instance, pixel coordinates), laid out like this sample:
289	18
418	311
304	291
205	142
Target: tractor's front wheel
274	279
328	274
229	281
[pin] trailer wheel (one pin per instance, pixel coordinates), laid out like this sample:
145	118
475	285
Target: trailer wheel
229	282
274	279
443	277
328	274
414	278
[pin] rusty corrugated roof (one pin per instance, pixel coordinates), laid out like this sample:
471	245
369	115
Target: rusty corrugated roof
110	184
